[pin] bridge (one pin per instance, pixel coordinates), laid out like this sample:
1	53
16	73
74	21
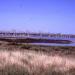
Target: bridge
39	35
35	37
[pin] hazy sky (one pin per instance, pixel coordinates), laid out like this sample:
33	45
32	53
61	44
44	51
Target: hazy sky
54	16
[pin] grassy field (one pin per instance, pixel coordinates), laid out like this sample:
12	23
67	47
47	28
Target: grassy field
26	59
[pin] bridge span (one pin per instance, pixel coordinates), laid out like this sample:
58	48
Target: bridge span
38	35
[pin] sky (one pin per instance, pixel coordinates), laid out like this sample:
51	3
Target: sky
52	16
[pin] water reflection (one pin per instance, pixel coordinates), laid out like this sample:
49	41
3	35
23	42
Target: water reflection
53	44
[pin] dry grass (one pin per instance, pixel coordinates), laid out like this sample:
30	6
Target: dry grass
19	59
34	63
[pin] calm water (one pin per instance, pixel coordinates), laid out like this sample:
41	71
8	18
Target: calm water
50	44
55	44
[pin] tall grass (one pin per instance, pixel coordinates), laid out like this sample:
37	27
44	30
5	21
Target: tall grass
35	63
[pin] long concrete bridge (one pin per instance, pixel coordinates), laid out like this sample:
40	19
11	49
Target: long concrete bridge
38	35
35	37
